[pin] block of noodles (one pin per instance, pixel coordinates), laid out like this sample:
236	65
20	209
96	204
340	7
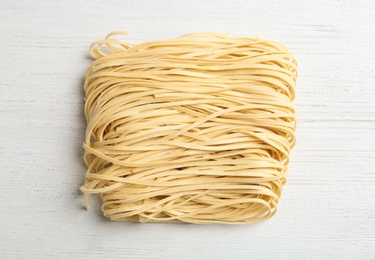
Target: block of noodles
193	129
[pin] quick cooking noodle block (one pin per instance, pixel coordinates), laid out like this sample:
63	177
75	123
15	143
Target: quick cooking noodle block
195	129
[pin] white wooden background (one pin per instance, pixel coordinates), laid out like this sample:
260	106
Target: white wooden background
328	206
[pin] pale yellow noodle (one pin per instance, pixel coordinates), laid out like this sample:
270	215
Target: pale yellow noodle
195	129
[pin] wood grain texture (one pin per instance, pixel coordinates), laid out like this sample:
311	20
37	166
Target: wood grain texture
327	210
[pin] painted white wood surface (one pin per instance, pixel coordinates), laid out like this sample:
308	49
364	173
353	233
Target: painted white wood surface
328	206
